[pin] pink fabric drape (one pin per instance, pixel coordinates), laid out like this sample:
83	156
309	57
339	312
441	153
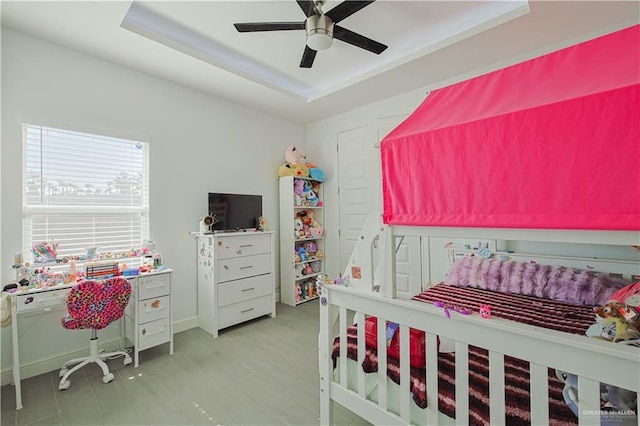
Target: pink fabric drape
553	142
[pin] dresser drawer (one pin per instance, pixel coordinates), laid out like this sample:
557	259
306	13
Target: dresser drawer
238	291
242	245
239	312
153	333
154	309
153	286
243	267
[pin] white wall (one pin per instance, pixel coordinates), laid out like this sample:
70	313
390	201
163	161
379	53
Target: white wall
198	143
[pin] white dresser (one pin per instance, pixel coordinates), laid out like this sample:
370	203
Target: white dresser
147	319
236	278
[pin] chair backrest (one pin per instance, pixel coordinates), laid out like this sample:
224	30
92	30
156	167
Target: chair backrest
96	304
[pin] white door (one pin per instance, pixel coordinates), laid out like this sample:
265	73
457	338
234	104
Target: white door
356	154
360	193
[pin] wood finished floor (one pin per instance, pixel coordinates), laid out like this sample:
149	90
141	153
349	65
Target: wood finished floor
264	372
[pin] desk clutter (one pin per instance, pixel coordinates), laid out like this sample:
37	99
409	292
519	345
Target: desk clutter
50	269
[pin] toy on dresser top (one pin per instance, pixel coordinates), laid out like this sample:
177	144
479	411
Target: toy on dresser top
306	226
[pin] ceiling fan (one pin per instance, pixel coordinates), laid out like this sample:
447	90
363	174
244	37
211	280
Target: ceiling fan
321	28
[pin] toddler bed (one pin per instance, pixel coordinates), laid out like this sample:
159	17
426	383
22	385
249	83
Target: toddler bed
503	370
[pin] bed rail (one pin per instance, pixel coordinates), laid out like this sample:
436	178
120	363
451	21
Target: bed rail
617	364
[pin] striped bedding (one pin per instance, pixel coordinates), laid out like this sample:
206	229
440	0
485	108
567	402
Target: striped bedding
524	309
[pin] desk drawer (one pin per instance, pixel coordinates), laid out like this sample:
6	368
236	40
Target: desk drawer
154	286
240	290
242	245
41	300
153	333
243	267
244	311
154	309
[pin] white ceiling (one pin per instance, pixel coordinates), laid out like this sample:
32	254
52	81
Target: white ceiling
195	44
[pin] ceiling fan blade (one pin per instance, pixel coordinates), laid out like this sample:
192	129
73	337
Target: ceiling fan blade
358	40
346	9
249	27
308	7
307	57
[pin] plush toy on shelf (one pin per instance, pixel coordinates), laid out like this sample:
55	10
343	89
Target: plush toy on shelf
303	254
298	293
298	191
311	249
298	228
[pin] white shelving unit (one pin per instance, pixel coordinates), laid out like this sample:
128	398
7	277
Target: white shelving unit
298	276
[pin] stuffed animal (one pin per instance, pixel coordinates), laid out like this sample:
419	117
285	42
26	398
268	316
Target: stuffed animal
311	292
315	187
316	173
617	398
294	156
298	293
316	232
618	330
319	254
298	228
315	266
308	270
303	254
303	294
298	191
311	248
615	309
296	256
310	198
288	169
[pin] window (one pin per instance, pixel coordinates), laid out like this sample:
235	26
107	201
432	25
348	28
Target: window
83	191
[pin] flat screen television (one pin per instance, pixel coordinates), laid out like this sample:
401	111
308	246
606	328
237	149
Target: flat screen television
234	211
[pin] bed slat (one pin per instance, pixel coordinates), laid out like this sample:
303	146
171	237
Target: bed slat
496	388
431	343
589	402
359	320
343	348
404	373
462	383
382	363
539	393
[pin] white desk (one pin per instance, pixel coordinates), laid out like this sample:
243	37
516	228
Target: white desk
29	301
49	298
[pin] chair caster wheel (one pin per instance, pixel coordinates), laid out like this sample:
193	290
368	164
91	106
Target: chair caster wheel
62	372
109	377
127	360
64	385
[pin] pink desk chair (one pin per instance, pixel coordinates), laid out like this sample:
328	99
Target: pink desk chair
94	305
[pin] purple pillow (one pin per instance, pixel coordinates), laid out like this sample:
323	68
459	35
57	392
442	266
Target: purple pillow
550	282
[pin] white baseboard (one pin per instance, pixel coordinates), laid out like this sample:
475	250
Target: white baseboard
55	363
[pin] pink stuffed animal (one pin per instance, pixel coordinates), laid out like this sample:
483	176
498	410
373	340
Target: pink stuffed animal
294	156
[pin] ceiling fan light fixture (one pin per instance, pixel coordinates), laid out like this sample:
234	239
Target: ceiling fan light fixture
319	32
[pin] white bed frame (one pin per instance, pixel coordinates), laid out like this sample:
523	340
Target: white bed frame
592	360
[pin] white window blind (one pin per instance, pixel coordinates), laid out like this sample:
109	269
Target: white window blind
82	190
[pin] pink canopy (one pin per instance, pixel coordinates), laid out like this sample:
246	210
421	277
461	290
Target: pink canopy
552	142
